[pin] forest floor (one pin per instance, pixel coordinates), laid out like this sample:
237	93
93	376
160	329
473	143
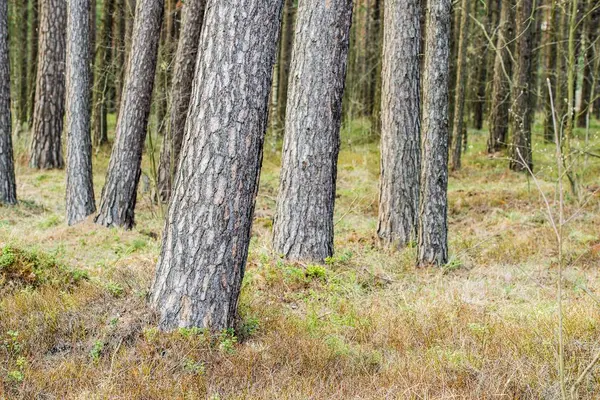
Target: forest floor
367	325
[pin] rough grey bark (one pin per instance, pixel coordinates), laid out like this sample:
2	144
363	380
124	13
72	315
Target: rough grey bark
207	233
498	123
8	190
460	86
433	209
46	146
401	128
22	114
80	188
183	75
521	112
32	59
303	227
119	195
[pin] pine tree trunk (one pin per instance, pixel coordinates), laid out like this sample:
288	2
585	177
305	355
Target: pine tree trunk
459	96
303	227
433	225
119	51
80	188
181	91
32	60
46	146
401	130
501	82
22	116
119	194
205	243
373	56
285	57
590	32
8	190
102	78
549	44
521	118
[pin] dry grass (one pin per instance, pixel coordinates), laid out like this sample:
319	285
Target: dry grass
367	325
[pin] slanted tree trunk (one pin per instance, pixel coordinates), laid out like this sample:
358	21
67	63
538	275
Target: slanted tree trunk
181	91
119	194
459	95
102	76
433	225
80	188
32	60
401	129
46	146
205	243
8	190
498	124
521	154
285	57
303	227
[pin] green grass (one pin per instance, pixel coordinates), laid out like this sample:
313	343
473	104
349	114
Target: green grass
367	324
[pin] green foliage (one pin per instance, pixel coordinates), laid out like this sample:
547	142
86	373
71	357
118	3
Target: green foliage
227	341
316	272
96	350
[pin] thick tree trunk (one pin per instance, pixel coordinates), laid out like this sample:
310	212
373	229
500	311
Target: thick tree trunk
285	57
303	227
46	146
460	86
32	60
8	190
80	187
401	129
549	44
119	194
205	243
181	91
433	225
521	118
501	83
102	76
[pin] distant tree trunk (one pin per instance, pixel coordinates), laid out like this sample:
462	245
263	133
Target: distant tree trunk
459	95
205	243
163	73
401	130
285	57
181	91
501	82
373	54
303	227
80	188
521	154
119	51
433	225
485	64
46	146
23	93
32	60
102	78
119	194
549	44
8	189
590	32
376	64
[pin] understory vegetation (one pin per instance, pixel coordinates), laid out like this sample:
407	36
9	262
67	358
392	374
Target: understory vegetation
74	323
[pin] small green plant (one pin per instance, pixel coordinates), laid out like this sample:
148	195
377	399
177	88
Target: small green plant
316	272
227	341
150	334
191	332
194	367
16	376
11	342
7	258
96	351
114	289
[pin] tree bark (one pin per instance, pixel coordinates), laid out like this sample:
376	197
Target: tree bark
501	82
590	32
181	91
23	93
303	227
119	194
46	146
119	51
549	44
102	78
80	188
8	190
205	243
401	128
521	119
32	60
433	225
459	96
285	57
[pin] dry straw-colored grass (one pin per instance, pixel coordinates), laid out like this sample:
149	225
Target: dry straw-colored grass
367	325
